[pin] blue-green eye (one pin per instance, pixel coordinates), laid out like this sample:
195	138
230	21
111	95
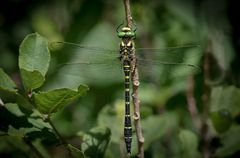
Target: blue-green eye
121	34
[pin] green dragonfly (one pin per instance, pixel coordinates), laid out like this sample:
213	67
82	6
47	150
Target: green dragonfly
108	63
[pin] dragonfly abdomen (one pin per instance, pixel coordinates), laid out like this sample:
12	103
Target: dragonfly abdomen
127	122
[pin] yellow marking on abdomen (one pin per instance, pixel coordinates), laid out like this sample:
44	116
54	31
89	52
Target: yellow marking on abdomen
127	77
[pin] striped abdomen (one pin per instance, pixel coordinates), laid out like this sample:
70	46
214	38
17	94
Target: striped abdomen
127	122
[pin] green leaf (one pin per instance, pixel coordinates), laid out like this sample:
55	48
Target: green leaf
154	127
222	120
95	141
230	141
189	142
37	121
227	97
34	53
21	132
112	117
51	101
75	152
6	83
14	109
32	79
34	58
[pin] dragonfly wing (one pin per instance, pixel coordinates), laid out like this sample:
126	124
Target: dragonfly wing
90	65
170	63
93	72
76	46
169	54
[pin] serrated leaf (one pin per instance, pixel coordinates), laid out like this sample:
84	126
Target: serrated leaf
189	144
34	59
6	83
52	101
75	152
32	79
95	141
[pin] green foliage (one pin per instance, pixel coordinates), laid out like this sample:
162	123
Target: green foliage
34	58
54	100
22	115
230	142
95	141
44	111
6	83
75	151
189	144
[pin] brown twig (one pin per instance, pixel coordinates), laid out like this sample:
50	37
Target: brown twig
192	107
135	84
205	101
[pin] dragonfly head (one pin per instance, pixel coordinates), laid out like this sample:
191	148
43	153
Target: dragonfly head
126	32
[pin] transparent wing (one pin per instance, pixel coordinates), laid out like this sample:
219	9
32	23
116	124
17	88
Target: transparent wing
100	65
77	46
90	65
168	63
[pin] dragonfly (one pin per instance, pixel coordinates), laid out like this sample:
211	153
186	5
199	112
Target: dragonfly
125	58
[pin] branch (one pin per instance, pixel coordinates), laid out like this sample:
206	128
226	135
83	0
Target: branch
129	18
135	84
62	140
205	101
192	108
32	147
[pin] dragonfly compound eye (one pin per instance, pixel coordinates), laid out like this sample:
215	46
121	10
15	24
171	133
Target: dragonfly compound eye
130	34
121	34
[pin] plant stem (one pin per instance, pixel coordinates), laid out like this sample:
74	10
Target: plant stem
62	140
135	84
192	107
205	100
32	147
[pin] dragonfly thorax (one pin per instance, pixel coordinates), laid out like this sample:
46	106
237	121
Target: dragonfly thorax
126	49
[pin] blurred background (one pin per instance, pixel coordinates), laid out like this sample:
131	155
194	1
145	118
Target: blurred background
192	115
